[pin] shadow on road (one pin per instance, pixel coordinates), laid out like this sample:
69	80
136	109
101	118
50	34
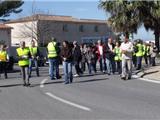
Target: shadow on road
149	73
13	85
91	80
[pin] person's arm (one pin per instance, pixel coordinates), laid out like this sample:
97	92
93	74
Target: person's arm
130	49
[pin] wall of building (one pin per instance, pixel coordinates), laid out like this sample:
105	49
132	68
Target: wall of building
23	32
45	29
5	36
55	29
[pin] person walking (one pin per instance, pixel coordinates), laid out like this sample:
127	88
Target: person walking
53	59
134	58
34	58
90	59
3	60
77	57
118	57
109	51
67	57
101	56
127	50
139	54
83	61
146	52
24	56
153	52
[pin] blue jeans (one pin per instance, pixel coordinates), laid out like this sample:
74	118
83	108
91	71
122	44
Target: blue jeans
68	76
35	62
109	66
91	67
53	68
139	62
102	64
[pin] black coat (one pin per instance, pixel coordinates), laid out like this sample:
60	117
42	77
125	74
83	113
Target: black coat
108	53
77	56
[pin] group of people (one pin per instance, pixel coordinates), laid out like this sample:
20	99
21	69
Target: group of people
112	56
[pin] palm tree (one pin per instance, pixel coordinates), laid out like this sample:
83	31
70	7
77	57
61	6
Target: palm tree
128	16
123	15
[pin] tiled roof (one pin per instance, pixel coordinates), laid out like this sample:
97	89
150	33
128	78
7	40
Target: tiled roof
56	18
3	26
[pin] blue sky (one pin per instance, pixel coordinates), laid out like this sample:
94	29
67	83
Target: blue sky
77	8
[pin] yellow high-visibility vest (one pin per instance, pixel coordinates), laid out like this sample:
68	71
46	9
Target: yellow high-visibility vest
23	53
3	56
52	53
33	50
140	51
118	54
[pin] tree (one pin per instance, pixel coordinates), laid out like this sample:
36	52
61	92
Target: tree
8	6
123	15
128	16
35	29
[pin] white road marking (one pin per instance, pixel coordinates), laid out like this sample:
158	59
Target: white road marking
145	79
42	83
68	102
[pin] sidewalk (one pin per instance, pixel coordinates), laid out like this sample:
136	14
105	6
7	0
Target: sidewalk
152	73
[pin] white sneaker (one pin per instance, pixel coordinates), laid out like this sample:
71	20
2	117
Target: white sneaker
76	75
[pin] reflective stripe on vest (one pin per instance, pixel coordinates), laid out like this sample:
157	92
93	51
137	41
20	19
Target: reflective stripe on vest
118	55
23	52
140	52
33	50
3	56
52	50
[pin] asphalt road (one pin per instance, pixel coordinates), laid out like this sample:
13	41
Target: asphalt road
89	97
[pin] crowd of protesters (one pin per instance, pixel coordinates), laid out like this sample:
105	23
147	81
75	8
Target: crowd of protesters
109	57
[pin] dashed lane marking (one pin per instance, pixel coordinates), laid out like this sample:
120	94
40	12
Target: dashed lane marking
42	83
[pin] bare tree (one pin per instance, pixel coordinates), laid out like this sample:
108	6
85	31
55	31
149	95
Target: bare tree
35	29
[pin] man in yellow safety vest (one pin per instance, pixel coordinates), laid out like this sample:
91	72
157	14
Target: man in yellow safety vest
139	54
23	57
3	60
34	58
53	59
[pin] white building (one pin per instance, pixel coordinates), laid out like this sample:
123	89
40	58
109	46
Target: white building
5	34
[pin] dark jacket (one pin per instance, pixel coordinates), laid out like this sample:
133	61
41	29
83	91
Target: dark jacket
77	54
66	52
108	53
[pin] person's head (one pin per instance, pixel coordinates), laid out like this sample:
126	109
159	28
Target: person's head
110	41
75	43
117	43
33	43
126	39
3	47
85	46
65	44
99	42
89	48
53	39
22	44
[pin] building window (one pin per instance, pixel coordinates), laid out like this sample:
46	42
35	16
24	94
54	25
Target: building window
96	28
81	28
65	28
